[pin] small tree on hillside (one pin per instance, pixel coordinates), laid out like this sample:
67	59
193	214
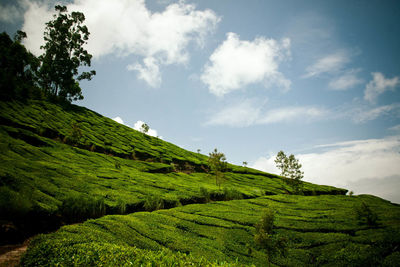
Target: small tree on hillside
218	164
290	168
144	128
265	238
64	38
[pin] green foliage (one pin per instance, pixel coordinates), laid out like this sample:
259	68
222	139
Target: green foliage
205	194
218	165
117	165
290	168
13	204
144	128
64	53
80	207
231	193
108	254
74	135
366	215
306	230
153	203
266	239
392	260
18	69
43	171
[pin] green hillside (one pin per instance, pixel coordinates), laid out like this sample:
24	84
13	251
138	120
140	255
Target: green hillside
63	165
321	231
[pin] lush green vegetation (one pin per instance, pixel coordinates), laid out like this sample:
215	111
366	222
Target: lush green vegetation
66	164
63	165
320	230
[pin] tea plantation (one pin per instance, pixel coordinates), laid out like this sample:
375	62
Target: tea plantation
64	165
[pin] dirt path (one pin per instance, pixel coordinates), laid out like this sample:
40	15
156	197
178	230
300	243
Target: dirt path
11	254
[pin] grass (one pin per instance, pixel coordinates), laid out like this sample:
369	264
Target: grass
70	165
322	230
49	181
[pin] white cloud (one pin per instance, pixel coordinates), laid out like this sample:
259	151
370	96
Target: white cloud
351	165
378	85
348	80
249	112
150	72
363	114
328	64
239	115
236	64
35	17
287	114
119	120
9	13
127	27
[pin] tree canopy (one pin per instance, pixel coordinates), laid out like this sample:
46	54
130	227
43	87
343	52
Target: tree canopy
290	168
18	69
64	52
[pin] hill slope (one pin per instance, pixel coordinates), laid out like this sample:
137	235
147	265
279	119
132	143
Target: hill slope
321	230
62	165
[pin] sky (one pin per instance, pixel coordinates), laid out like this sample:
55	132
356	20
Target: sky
317	79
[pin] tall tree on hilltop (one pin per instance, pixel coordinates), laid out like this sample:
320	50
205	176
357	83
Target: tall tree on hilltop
64	38
290	168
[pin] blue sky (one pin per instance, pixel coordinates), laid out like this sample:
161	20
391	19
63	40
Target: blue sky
319	79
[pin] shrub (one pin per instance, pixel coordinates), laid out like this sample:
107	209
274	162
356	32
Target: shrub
264	237
365	215
121	207
205	194
230	193
188	168
13	204
76	208
153	203
117	165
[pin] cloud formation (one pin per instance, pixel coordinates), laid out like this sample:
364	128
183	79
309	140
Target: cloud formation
249	112
237	63
363	114
357	165
127	27
119	120
378	85
9	13
329	64
347	80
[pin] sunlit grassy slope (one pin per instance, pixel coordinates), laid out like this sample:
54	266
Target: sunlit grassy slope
50	176
42	168
321	230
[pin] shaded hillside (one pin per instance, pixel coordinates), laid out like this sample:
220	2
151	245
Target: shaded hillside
321	230
64	165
